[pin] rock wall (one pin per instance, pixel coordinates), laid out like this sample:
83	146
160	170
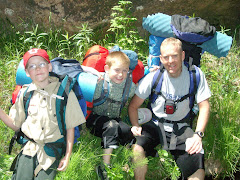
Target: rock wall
70	14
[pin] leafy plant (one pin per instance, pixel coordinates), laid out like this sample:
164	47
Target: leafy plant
165	166
123	31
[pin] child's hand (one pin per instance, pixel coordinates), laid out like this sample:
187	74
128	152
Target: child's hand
63	164
100	76
154	68
7	120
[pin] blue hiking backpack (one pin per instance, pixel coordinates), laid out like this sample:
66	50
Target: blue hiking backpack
66	71
191	31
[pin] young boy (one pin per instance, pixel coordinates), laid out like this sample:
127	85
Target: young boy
41	125
105	121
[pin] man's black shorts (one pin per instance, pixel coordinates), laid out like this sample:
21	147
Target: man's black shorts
188	164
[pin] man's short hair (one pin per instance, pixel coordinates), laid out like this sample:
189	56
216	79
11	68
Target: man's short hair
171	40
119	56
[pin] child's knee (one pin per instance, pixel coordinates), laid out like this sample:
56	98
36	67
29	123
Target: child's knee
111	127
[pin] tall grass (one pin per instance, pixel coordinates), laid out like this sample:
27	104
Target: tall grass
222	143
223	134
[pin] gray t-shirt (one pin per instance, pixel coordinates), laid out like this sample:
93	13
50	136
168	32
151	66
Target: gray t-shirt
173	88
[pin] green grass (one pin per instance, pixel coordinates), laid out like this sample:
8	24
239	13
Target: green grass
222	133
222	140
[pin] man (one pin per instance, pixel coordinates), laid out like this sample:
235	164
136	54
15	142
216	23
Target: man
171	128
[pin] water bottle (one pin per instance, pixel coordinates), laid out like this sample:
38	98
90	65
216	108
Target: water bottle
195	108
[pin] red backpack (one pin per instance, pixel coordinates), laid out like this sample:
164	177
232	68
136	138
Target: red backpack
15	93
96	58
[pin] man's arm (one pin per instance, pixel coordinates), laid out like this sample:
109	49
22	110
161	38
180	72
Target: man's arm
135	103
204	111
65	160
7	120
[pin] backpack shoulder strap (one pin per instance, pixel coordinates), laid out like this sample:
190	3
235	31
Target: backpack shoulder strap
63	91
157	84
126	90
19	136
104	94
27	95
194	83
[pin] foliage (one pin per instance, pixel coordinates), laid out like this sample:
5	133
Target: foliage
123	31
84	159
56	41
222	147
164	165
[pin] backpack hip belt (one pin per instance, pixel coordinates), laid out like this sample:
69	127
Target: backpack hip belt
162	120
53	149
174	137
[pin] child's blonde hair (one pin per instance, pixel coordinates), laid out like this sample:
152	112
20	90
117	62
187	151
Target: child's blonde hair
119	56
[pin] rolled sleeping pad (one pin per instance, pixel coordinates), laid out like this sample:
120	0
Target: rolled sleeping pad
86	81
159	24
21	77
219	45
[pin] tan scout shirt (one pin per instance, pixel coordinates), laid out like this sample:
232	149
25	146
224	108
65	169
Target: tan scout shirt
41	124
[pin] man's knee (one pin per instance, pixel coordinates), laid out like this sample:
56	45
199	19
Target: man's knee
138	152
138	148
198	175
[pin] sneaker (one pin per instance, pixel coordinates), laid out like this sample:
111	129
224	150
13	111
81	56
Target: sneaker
101	172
